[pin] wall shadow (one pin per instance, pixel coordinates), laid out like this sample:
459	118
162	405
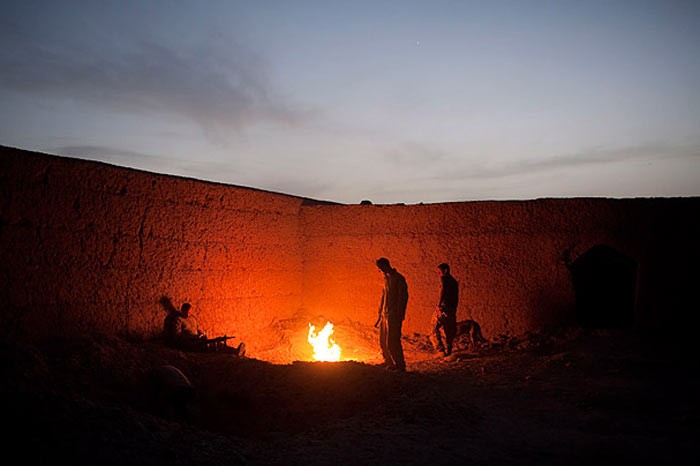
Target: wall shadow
605	286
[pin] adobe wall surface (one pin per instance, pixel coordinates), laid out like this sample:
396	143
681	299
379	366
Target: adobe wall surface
510	258
89	247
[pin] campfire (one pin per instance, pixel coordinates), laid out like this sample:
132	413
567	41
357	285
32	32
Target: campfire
325	348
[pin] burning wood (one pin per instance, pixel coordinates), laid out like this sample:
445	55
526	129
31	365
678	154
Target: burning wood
325	348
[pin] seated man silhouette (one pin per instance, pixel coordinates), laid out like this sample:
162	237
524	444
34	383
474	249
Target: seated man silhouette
181	331
190	336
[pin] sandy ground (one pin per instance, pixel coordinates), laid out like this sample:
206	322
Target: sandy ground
575	398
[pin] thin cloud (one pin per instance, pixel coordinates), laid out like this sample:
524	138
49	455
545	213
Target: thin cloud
605	156
433	178
219	86
89	151
118	156
414	155
151	162
599	156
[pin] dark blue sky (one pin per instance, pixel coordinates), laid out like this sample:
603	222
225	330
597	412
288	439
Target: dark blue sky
393	101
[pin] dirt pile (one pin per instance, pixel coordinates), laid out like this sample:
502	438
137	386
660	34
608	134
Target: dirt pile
583	399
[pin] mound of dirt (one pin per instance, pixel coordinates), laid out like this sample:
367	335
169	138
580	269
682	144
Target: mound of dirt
570	398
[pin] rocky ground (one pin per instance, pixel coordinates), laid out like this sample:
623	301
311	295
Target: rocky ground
574	398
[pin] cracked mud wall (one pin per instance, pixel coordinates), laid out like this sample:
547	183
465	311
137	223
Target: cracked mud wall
509	265
89	247
511	258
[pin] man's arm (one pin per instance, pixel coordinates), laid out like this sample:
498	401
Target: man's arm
379	312
441	301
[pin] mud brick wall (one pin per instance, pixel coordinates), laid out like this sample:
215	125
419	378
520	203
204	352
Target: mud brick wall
89	247
511	258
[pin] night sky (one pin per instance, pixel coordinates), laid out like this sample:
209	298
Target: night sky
391	101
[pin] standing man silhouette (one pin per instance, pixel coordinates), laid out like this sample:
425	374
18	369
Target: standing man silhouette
392	311
445	318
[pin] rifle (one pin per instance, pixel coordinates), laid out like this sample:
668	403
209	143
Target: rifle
219	339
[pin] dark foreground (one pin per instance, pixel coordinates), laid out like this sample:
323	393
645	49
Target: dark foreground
602	398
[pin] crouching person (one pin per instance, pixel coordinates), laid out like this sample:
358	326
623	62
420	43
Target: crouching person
181	330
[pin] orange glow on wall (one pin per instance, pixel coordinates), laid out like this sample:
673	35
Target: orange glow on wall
90	248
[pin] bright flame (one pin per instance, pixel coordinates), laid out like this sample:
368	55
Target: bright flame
325	348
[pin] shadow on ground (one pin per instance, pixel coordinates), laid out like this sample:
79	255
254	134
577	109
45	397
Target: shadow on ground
575	398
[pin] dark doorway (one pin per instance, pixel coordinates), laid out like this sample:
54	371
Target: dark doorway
604	282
